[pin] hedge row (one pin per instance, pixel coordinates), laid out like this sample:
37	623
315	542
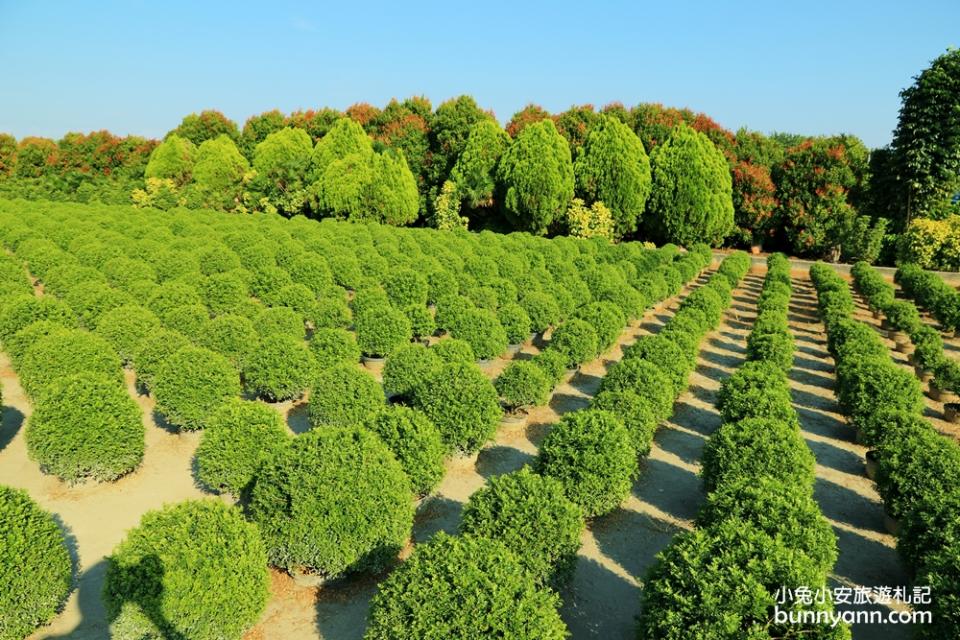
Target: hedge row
770	339
760	528
931	293
919	470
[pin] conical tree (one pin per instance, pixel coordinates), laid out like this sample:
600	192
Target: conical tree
474	172
173	159
218	173
345	138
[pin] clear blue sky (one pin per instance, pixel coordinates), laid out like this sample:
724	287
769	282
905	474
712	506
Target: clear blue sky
139	67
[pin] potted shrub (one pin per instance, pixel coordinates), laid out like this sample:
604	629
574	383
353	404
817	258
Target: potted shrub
516	323
945	382
522	385
380	330
577	340
463	404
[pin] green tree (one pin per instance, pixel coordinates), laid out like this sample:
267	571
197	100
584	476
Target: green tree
449	130
173	159
405	126
613	167
281	163
368	187
207	125
345	138
8	154
392	197
34	156
446	209
536	174
257	128
315	123
218	173
575	124
526	116
474	171
692	195
926	142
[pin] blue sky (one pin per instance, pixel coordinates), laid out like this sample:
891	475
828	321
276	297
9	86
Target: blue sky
139	67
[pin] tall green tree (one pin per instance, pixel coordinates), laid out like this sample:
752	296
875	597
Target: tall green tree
692	195
172	159
474	174
281	163
218	174
257	128
346	137
449	130
374	187
612	167
926	142
536	176
206	125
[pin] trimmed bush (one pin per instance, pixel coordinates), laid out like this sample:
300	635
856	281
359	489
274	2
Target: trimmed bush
331	347
522	385
463	404
224	292
532	515
416	443
453	350
553	363
171	295
406	287
606	318
515	322
381	329
336	501
153	576
666	355
577	340
35	567
756	448
20	311
124	327
274	320
407	367
860	383
238	438
90	300
233	337
635	411
65	353
941	572
153	350
642	377
591	454
542	310
757	389
481	329
280	368
464	587
916	464
189	320
422	322
345	396
18	344
192	383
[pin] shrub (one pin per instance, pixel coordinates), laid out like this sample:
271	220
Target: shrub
755	448
152	577
553	363
666	355
782	510
331	347
407	367
860	383
422	323
172	294
532	515
636	411
337	501
453	350
591	454
35	566
153	350
191	383
381	329
416	443
775	348
406	287
642	377
606	318
941	572
224	292
757	389
20	311
86	426
916	464
464	587
463	404
331	310
522	385
188	320
124	327
577	340
542	310
929	525
274	320
345	396
280	368
312	270
481	329
928	347
903	316
65	353
238	438
946	375
515	322
233	337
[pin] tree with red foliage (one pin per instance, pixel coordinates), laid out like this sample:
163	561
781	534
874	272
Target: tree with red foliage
363	113
207	125
257	128
754	202
315	123
405	126
36	157
8	154
528	115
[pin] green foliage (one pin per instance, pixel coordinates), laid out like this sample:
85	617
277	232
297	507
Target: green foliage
124	328
153	350
207	125
232	336
594	221
522	385
691	197
280	368
446	209
861	382
218	173
591	454
65	353
191	383
577	340
86	426
281	162
345	396
537	177
238	438
643	377
473	173
344	138
416	443
152	577
381	330
35	566
406	287
606	318
336	501
612	167
452	350
515	321
533	517
758	389
463	404
666	355
173	160
19	311
637	412
408	367
482	330
331	347
542	310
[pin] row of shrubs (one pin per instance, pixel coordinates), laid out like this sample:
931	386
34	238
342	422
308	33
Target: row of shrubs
918	474
520	534
931	293
903	316
760	528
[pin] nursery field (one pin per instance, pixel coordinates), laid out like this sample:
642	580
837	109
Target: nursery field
247	426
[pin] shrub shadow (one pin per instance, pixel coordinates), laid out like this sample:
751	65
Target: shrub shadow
12	422
436	513
499	459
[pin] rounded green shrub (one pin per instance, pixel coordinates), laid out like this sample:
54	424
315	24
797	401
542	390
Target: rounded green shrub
189	319
345	396
65	353
666	355
422	322
642	377
606	318
274	320
35	566
861	383
916	465
515	322
408	367
239	436
279	368
331	347
171	295
18	344
532	515
381	329
464	587
775	348
336	501
406	287
636	411
20	311
553	363
232	336
311	270
86	426
755	448
153	576
577	340
224	292
756	390
522	385
124	327
591	454
416	443
191	383
153	350
463	404
481	329
454	350
542	310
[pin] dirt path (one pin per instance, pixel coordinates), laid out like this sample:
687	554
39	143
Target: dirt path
848	499
604	596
